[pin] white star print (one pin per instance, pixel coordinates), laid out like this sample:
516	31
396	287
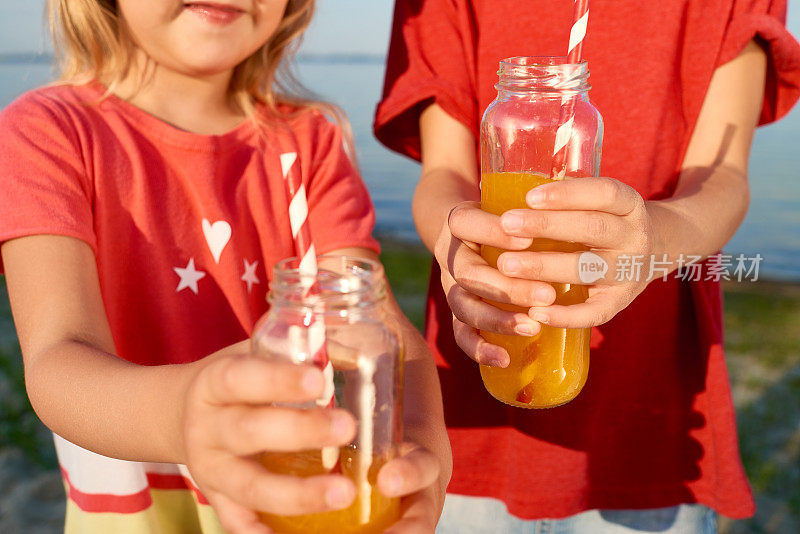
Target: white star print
249	275
189	277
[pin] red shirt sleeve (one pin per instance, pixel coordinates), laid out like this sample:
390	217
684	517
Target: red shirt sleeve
431	59
765	20
44	186
341	213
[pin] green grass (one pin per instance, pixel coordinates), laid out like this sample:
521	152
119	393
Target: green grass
762	323
762	327
407	268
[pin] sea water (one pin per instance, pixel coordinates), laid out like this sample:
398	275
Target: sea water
771	229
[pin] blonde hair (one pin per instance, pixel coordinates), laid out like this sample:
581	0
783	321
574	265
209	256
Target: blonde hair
91	41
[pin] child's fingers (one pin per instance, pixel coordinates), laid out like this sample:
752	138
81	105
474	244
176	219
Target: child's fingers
418	515
473	274
409	473
244	430
250	485
236	519
593	228
601	194
477	348
473	311
598	309
468	222
254	380
560	267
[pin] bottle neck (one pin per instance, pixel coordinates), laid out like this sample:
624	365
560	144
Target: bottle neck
345	286
543	77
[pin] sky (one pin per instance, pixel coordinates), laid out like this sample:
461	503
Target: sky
341	26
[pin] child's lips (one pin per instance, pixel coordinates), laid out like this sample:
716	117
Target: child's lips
214	12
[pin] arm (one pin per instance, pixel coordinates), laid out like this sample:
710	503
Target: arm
426	471
211	415
449	172
78	386
713	194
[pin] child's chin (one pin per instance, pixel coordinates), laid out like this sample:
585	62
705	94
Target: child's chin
210	67
206	58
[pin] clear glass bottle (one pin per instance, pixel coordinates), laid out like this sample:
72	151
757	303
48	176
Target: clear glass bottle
365	377
518	136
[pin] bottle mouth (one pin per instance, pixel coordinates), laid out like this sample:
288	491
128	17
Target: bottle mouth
342	282
546	74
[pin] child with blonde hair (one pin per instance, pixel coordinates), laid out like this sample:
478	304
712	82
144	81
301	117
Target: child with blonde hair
142	207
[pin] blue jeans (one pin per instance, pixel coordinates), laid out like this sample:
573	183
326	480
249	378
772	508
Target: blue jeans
478	515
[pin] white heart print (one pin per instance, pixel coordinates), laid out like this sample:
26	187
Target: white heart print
217	237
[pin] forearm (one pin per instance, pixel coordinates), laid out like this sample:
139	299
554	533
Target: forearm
702	216
75	382
439	190
449	172
108	405
713	194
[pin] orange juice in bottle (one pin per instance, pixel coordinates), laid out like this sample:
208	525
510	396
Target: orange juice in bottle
363	366
550	368
371	511
517	140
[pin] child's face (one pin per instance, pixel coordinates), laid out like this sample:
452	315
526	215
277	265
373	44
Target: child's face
201	38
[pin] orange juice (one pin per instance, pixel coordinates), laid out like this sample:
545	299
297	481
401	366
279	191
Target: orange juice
371	511
548	369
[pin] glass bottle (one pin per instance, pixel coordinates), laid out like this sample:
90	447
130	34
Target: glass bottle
518	136
364	376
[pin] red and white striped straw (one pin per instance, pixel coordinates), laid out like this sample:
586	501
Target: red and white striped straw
304	246
298	217
580	19
306	253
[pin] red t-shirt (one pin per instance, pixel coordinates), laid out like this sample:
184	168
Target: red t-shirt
151	199
185	228
655	424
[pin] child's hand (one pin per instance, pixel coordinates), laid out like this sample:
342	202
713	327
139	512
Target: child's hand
413	476
608	216
467	279
227	420
604	214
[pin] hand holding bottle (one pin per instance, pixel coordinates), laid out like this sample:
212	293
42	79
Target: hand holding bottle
468	279
227	418
604	214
